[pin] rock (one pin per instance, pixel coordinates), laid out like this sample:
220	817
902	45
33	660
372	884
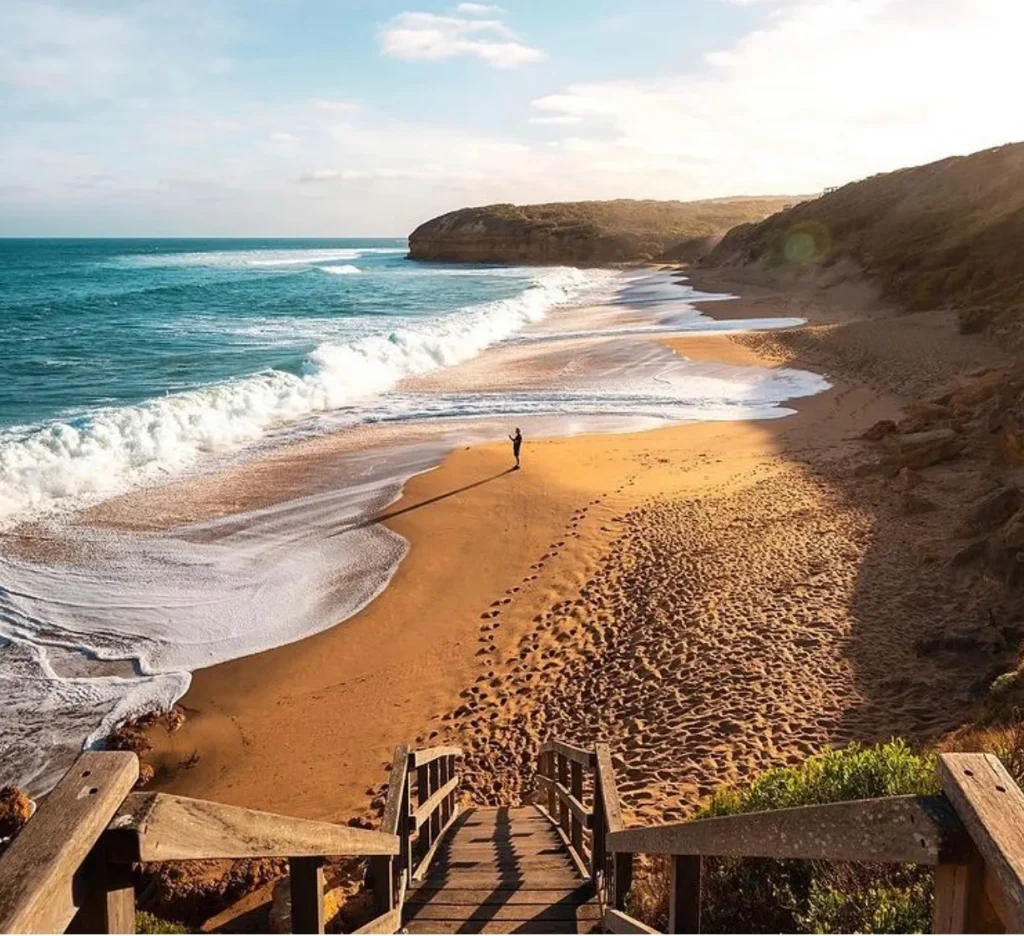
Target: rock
972	552
584	232
15	810
921	449
913	504
991	511
1011	536
881	429
907	479
921	416
1011	444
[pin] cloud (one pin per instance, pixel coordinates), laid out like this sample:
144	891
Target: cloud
825	91
279	136
478	9
336	106
427	37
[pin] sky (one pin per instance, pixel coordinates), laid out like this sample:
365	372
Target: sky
347	118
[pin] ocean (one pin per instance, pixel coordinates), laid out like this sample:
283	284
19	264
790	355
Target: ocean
126	361
130	365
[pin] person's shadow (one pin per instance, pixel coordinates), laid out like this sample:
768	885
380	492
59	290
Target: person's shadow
380	518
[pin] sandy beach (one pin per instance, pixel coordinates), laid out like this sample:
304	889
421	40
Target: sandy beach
711	599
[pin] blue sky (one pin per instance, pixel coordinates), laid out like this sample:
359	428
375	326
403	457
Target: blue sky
306	117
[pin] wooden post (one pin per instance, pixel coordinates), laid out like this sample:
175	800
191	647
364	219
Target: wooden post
443	777
597	842
563	779
109	902
991	807
435	784
622	879
684	896
959	891
423	792
382	882
307	884
552	775
405	832
577	791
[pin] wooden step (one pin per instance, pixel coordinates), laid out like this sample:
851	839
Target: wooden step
522	912
471	896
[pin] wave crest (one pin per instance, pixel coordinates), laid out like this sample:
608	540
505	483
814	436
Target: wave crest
60	464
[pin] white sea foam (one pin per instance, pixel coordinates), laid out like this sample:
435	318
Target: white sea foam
253	258
158	606
65	463
346	269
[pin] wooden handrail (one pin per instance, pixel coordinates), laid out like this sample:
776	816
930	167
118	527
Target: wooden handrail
607	791
178	828
579	755
425	756
422	814
38	870
580	811
921	829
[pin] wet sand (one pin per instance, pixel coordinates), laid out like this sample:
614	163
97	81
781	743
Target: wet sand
710	599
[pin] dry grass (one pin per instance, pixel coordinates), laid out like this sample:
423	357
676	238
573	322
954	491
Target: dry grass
944	234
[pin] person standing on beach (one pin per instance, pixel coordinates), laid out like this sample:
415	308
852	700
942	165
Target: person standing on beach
517	444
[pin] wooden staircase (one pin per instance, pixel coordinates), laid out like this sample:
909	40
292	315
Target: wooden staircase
504	870
563	865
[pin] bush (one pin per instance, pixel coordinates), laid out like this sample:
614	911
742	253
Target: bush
147	923
766	895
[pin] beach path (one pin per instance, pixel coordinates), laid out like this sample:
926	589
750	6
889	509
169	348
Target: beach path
503	870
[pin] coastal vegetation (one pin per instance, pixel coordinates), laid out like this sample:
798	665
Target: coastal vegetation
588	232
940	235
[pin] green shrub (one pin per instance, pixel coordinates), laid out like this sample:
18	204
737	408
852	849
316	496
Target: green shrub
766	895
147	923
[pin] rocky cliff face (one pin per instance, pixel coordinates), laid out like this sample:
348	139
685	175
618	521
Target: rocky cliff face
584	232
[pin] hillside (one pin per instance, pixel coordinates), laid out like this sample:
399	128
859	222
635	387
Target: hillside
945	234
589	232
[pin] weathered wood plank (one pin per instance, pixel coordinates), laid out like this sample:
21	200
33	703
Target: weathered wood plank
307	892
465	913
423	812
684	895
396	788
425	756
615	921
958	894
921	829
569	801
37	871
171	828
991	806
608	795
579	755
475	897
390	922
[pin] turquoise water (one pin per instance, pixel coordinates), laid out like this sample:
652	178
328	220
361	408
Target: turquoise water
126	360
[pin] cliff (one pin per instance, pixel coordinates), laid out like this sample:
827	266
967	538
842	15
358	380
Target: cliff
947	234
593	232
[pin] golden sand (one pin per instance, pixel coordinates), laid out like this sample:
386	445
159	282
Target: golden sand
710	599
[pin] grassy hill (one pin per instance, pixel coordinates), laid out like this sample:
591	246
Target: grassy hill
595	232
946	234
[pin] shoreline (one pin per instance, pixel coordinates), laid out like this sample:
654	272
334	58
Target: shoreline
523	611
514	545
